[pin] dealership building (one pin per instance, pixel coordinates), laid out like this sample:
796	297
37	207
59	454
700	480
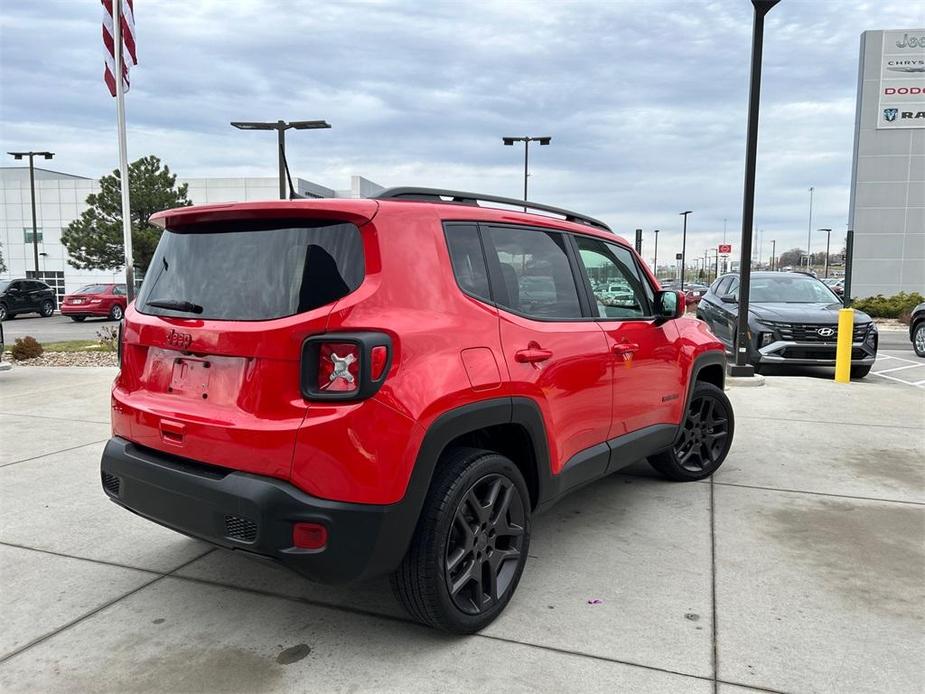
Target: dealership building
887	209
60	198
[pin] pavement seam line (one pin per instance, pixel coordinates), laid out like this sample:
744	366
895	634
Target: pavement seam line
63	450
830	494
713	586
41	639
57	419
819	421
103	562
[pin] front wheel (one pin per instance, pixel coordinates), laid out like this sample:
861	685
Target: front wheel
471	543
3	313
47	309
859	371
704	440
918	339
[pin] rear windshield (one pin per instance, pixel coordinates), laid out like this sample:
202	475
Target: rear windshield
252	272
92	289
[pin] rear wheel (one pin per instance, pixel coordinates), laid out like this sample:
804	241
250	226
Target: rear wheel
471	543
704	440
115	313
860	371
3	313
78	319
47	308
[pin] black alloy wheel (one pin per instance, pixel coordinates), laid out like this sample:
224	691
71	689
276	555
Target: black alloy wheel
483	549
704	438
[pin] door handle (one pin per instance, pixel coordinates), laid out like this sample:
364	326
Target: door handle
625	348
533	354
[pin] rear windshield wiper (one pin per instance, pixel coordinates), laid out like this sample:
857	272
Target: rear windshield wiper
175	305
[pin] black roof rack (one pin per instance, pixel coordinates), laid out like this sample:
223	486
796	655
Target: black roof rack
460	198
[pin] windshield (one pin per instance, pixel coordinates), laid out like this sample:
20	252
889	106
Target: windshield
4	284
92	289
238	271
789	289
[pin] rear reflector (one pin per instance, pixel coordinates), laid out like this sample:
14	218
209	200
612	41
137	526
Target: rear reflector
378	358
309	535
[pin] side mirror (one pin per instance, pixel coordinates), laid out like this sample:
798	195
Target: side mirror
729	299
669	304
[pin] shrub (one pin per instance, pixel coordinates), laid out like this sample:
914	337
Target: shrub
108	338
888	306
26	348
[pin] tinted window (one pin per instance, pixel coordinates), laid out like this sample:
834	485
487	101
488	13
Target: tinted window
253	272
468	259
721	288
619	290
733	286
92	289
536	274
4	285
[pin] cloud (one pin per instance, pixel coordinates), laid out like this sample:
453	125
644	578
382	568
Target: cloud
645	101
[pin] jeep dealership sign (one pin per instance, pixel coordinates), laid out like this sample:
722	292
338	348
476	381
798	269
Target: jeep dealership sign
902	80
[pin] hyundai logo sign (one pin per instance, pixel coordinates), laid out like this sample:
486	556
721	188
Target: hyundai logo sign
825	332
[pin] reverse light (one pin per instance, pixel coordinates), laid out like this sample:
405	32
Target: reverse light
377	361
309	535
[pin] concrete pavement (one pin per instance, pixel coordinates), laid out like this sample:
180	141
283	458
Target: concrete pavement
799	568
56	328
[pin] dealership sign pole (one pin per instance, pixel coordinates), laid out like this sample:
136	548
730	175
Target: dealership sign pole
741	366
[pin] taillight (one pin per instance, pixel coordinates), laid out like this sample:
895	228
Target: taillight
345	366
339	367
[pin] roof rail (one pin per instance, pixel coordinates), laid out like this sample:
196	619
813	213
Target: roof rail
460	198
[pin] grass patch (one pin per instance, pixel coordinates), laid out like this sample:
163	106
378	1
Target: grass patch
75	346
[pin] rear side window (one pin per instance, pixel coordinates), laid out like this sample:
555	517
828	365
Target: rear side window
92	289
229	271
538	280
462	240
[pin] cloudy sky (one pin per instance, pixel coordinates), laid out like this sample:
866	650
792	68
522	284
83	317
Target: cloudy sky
645	100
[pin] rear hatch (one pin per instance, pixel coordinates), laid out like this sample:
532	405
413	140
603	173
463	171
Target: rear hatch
212	345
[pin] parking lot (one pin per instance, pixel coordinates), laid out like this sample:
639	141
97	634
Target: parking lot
799	568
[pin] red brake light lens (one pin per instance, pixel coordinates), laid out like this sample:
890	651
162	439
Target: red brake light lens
309	535
339	367
378	358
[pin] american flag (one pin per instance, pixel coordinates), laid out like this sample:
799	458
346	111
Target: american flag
128	43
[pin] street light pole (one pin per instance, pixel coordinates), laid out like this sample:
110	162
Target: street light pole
741	367
281	127
509	141
35	231
773	254
828	238
809	231
655	258
684	245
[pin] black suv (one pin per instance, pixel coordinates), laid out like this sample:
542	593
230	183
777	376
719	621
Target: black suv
26	296
792	319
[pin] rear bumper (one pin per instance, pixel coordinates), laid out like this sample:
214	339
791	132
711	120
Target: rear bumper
254	514
83	310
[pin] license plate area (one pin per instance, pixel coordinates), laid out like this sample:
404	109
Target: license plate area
190	377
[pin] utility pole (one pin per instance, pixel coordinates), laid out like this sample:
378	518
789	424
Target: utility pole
35	232
809	231
828	238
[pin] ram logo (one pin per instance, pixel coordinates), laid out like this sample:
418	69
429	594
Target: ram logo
890	114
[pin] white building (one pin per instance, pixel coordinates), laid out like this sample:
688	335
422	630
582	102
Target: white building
60	198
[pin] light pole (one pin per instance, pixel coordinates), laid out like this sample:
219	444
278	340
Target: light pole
684	245
809	230
35	232
281	127
773	254
828	238
741	367
509	141
655	257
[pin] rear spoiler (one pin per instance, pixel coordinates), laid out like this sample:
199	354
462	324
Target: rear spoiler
355	211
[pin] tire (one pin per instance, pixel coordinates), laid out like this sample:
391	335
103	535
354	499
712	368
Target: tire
78	319
702	446
115	313
859	371
918	339
47	309
3	314
449	543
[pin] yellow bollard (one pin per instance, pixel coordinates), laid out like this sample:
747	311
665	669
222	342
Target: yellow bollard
843	346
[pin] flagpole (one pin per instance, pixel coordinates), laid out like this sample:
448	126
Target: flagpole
123	155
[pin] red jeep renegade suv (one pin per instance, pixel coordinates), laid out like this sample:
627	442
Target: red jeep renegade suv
397	385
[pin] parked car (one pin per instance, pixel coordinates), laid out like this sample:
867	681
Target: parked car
917	329
95	300
836	284
793	319
19	296
350	418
